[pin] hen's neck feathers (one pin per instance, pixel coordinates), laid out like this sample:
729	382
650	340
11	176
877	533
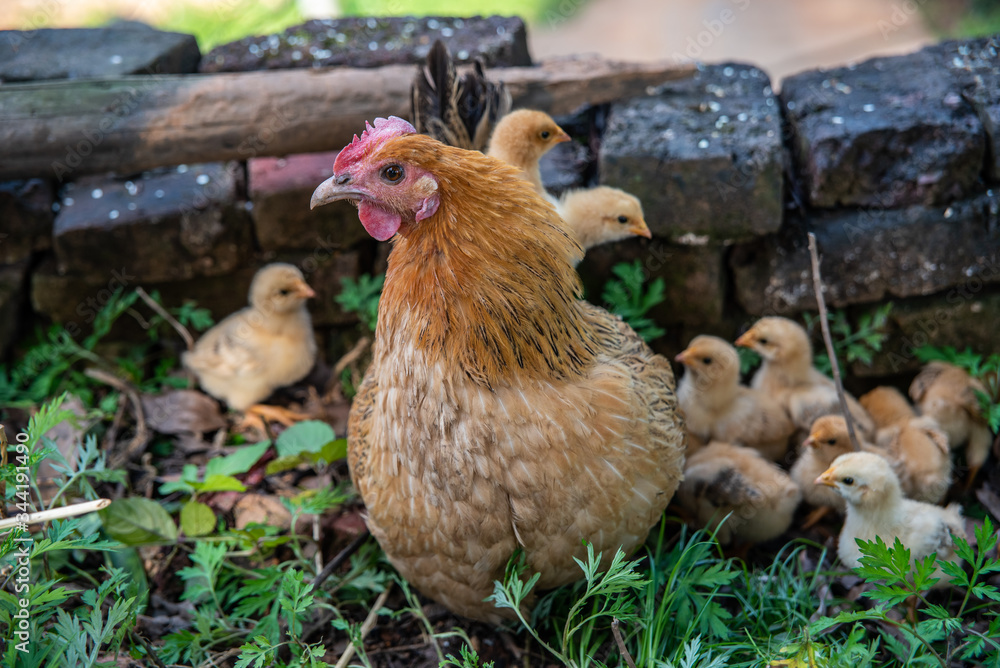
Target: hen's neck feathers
488	282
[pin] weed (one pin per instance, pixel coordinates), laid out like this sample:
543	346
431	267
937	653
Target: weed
362	297
852	344
632	299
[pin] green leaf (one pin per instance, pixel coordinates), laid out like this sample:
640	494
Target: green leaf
239	462
197	519
308	436
135	521
219	483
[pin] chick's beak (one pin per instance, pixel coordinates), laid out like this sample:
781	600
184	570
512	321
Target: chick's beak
747	340
338	186
682	357
826	478
561	137
809	442
640	229
304	291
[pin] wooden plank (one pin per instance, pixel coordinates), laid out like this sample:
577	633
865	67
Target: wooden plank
63	129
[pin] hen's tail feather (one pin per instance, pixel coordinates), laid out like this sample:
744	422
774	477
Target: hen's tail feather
459	111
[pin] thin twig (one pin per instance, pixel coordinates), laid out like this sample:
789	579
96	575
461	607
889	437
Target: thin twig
338	560
162	312
828	341
366	627
141	438
621	643
74	510
150	652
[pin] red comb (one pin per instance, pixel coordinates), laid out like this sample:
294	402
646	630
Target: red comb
373	136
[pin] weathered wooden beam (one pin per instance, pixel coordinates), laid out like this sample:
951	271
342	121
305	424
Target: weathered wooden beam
62	129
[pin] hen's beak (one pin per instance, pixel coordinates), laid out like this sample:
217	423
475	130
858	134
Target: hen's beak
640	229
335	188
303	290
826	478
747	340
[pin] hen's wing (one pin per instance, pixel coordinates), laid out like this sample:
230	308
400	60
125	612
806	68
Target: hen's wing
459	111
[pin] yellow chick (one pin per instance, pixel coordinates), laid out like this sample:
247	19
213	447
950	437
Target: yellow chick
721	478
947	393
601	215
876	507
916	446
717	407
521	138
265	346
828	439
787	373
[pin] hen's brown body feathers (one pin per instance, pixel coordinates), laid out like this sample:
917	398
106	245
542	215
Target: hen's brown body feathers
500	411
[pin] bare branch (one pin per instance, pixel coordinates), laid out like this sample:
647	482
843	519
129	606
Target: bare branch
621	643
162	312
828	341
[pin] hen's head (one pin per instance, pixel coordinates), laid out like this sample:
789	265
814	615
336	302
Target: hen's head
829	438
712	361
279	288
524	136
390	193
778	340
862	478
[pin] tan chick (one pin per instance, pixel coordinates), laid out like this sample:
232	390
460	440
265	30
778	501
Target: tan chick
717	407
721	478
265	346
828	439
876	507
787	373
602	215
947	393
916	446
521	138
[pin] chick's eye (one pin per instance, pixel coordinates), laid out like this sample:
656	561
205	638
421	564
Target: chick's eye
761	340
545	134
831	441
706	360
284	292
848	480
622	219
392	173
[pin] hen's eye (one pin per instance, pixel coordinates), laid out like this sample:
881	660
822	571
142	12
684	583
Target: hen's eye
622	219
706	360
392	173
848	480
545	134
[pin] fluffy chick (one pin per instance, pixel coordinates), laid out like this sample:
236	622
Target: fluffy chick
787	373
916	446
828	439
947	393
717	407
876	507
521	138
265	346
723	479
601	215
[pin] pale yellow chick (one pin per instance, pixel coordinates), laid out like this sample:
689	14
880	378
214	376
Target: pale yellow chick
947	393
876	507
601	215
916	446
723	479
828	439
521	138
265	346
717	407
787	373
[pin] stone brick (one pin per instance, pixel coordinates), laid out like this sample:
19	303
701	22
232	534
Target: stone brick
975	64
703	154
869	256
280	189
967	315
80	53
890	132
13	281
347	42
168	225
25	218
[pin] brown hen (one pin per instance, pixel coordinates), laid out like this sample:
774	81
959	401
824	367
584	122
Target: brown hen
500	411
